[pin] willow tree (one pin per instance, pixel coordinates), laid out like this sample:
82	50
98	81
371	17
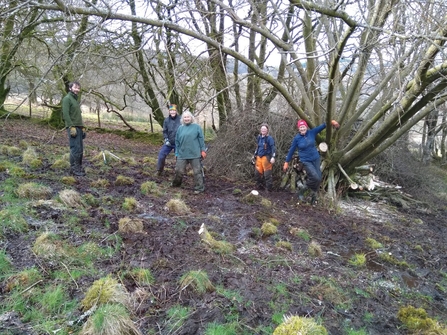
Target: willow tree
376	67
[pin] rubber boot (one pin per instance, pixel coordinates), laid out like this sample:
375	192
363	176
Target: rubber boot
301	192
259	180
314	198
77	171
198	187
268	180
177	182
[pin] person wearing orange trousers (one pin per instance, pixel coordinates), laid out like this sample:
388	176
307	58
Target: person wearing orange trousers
264	159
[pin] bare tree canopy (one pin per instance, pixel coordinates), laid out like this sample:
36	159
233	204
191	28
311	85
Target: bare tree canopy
378	68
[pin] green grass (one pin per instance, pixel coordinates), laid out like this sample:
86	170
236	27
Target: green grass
5	264
221	329
176	316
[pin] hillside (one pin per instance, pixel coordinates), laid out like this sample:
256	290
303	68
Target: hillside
307	267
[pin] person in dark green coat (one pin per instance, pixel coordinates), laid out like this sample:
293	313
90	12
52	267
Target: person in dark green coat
71	112
189	149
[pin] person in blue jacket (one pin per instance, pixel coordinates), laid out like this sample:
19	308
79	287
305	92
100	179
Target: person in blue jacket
170	126
264	158
308	154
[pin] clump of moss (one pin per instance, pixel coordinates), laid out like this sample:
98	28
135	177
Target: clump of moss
130	204
284	245
68	180
100	183
11	151
71	198
33	191
177	206
128	225
150	187
103	291
357	260
251	198
123	180
314	249
237	191
372	243
197	281
266	203
417	320
17	171
299	325
268	229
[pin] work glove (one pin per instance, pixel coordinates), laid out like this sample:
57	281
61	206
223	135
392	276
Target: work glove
203	154
272	160
73	132
253	160
335	124
167	142
84	133
285	167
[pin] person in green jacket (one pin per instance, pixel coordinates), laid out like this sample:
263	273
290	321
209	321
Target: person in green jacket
71	112
189	149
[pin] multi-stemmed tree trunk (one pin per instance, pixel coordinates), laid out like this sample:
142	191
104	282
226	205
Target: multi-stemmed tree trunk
355	63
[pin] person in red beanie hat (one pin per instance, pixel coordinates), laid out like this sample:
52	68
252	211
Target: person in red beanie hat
304	141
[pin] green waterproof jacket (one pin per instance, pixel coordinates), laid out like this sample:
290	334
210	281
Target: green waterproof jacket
71	111
189	142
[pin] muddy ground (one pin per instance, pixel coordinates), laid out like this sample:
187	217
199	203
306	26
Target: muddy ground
265	281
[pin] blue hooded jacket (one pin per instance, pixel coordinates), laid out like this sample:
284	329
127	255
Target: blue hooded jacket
306	145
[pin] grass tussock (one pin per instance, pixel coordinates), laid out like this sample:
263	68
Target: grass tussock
34	191
12	220
299	325
197	281
48	245
60	164
130	204
110	319
71	198
23	279
100	183
31	158
68	180
220	247
177	206
150	187
123	180
268	229
10	150
416	320
128	225
284	245
142	277
357	260
104	291
314	249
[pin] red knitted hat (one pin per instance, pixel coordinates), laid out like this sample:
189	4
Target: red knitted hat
301	123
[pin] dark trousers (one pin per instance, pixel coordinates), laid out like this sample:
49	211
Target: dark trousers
164	152
76	149
313	174
180	169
